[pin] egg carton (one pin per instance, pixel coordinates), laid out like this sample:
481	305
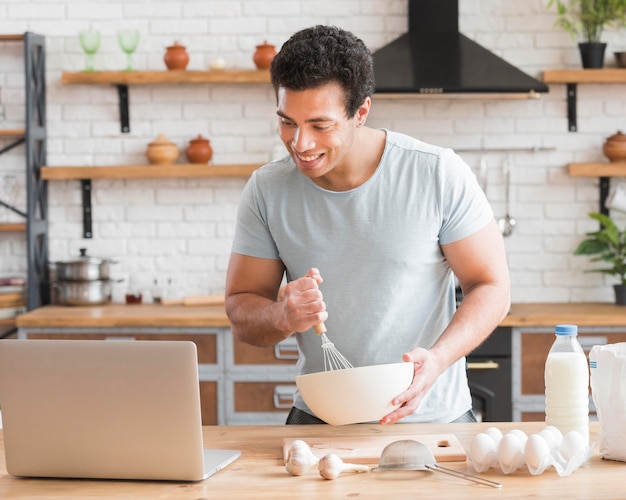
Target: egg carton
538	452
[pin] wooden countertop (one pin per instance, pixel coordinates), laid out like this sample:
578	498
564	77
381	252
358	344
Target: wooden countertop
150	315
260	473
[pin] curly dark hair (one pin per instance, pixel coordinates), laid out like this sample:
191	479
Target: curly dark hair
323	54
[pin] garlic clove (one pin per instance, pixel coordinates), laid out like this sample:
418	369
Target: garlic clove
330	466
300	458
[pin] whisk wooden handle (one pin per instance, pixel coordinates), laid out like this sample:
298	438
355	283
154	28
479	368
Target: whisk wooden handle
320	328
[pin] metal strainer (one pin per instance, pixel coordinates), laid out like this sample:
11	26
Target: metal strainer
408	454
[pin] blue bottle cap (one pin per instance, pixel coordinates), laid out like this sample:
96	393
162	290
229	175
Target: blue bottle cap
566	330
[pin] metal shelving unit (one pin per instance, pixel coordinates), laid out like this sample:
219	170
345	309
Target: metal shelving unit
34	139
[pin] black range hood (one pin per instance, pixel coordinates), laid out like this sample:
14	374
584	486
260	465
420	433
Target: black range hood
434	58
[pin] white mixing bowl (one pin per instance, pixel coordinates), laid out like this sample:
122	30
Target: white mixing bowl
355	395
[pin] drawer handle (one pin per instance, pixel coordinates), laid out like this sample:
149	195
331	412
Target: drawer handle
286	349
283	396
483	365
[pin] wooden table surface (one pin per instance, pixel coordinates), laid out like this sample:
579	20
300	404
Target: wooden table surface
150	315
260	472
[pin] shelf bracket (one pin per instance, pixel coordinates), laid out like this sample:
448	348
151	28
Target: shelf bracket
12	145
122	92
605	186
571	107
85	185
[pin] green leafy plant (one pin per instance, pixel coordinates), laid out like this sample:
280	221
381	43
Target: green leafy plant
588	18
608	244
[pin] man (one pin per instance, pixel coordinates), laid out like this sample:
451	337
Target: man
387	220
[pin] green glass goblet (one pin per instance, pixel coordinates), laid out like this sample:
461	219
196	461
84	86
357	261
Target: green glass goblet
90	43
128	40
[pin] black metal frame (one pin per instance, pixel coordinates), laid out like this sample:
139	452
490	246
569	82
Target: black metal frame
37	188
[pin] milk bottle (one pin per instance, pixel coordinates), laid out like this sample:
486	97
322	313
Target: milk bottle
567	383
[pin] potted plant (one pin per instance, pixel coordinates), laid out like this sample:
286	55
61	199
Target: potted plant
608	244
587	19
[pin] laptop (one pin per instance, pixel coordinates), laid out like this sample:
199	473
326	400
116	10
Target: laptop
102	409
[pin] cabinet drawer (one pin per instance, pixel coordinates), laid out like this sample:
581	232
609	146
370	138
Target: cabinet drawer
206	343
283	353
208	402
263	397
534	352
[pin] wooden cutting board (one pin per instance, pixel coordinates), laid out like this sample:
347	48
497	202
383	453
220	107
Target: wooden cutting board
367	450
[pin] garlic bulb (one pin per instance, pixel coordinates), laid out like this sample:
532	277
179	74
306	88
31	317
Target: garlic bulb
330	466
300	458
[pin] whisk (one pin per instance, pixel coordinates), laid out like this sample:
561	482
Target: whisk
333	359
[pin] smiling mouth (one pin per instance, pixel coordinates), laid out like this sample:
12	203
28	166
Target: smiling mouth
309	158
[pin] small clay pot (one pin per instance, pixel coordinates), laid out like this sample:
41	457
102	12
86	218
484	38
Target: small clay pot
615	147
162	151
176	57
264	55
199	150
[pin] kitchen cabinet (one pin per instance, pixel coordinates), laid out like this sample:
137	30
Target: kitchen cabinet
572	77
239	384
33	136
530	351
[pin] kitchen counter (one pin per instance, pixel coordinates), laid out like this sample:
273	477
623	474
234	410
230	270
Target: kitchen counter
260	473
151	315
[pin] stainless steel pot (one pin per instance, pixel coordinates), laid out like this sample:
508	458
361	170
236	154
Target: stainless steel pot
84	268
82	293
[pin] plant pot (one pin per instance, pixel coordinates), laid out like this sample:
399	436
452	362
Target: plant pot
592	54
620	295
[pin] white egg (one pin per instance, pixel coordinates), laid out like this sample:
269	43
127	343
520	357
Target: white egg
510	453
495	433
482	452
553	436
521	435
573	443
536	450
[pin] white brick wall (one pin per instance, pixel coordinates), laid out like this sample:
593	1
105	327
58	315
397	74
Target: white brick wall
183	227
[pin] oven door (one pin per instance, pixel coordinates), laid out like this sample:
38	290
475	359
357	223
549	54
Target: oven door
490	384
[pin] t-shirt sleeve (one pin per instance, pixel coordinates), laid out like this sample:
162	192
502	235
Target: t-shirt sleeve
465	208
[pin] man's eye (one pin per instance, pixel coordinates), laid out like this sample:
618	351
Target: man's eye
286	123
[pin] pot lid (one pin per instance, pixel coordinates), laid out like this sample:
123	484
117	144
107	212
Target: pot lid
176	46
84	258
618	137
161	140
199	139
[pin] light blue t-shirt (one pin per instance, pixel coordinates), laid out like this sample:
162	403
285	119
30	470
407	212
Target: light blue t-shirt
387	286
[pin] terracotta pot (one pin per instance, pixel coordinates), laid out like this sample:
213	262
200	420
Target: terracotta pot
264	55
162	151
615	147
176	57
199	150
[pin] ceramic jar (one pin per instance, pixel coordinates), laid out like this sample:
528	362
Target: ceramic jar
199	150
162	151
264	55
615	147
176	57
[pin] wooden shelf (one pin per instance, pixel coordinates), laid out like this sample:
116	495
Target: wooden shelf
14	38
615	169
165	77
608	75
17	132
572	77
17	227
147	171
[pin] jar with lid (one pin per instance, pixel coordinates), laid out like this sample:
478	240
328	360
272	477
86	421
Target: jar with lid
199	150
567	383
614	147
176	57
162	151
264	55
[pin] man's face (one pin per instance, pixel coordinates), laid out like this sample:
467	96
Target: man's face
314	128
